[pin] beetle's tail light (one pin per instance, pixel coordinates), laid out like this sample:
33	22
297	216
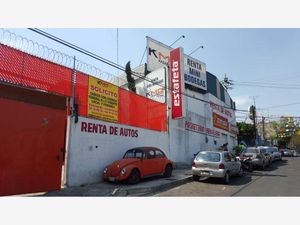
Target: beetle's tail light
221	166
194	164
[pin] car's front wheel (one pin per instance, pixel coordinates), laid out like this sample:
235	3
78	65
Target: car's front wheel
134	177
168	171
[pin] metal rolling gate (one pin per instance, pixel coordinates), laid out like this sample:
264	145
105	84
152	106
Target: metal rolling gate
33	115
32	140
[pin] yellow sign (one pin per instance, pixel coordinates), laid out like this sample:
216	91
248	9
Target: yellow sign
102	100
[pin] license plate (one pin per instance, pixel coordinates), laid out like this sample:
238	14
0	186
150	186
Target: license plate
111	179
205	173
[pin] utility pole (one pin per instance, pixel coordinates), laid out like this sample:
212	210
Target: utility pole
254	124
263	129
254	120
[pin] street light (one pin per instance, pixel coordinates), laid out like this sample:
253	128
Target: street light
182	36
196	49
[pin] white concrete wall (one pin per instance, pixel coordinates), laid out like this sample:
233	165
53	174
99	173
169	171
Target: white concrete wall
185	143
90	152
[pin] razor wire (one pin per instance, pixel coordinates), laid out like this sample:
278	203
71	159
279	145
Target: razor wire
28	46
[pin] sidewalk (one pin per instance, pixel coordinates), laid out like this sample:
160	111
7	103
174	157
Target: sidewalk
145	187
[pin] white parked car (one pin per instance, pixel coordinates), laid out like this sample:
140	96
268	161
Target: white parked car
294	153
220	164
276	154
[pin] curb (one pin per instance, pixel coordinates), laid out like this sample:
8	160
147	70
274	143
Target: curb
147	191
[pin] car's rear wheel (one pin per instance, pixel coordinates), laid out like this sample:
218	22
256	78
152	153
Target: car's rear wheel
226	178
134	177
196	178
168	171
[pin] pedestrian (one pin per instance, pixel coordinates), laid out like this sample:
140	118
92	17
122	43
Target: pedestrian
225	147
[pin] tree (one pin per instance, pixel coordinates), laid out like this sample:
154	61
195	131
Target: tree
287	127
295	140
246	133
130	79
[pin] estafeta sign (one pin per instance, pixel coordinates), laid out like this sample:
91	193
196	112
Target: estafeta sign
176	83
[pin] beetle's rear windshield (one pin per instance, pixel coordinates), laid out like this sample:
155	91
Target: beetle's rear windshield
133	153
208	156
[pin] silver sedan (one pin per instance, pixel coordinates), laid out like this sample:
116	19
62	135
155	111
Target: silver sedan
219	164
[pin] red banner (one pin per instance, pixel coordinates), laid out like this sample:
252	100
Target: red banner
220	122
176	83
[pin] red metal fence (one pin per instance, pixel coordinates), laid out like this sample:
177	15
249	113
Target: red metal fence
22	69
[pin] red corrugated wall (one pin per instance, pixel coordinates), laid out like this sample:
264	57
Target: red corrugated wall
23	69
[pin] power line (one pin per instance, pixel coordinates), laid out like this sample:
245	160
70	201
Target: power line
295	103
268	86
268	83
106	61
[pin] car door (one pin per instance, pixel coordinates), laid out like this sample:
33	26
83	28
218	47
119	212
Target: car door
149	162
235	164
160	161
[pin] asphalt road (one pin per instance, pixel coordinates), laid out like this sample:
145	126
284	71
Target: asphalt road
282	178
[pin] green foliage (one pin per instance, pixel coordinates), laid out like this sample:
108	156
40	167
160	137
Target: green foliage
246	132
237	150
130	79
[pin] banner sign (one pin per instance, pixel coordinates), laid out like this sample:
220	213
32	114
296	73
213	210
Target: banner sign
102	100
154	86
176	83
201	129
158	54
195	73
220	122
221	109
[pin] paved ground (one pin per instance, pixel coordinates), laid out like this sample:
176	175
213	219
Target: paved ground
282	178
145	187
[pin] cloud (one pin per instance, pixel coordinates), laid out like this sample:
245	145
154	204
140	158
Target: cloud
242	102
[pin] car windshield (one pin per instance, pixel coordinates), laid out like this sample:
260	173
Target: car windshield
208	156
251	150
263	150
274	150
133	153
